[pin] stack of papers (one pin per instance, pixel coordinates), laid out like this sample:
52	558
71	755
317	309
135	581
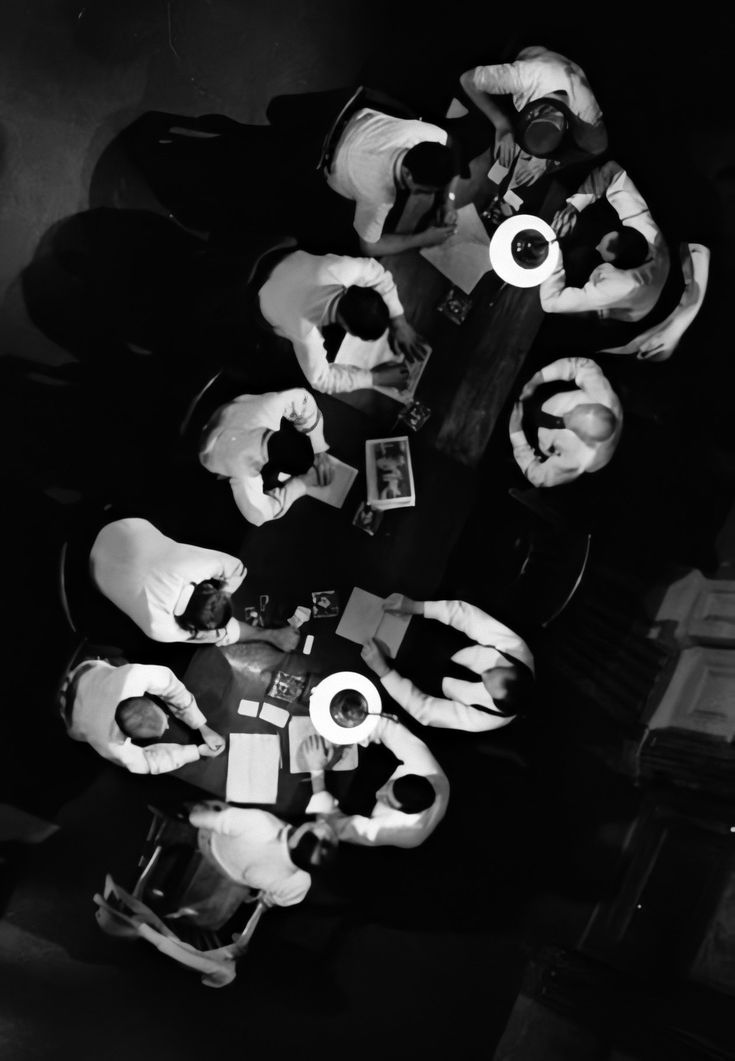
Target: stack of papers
364	618
252	768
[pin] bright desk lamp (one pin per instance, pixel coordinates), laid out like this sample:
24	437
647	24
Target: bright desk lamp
524	251
345	707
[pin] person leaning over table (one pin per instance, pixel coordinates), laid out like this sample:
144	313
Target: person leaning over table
578	430
172	591
246	442
254	847
378	158
555	114
498	657
630	259
408	807
112	709
305	293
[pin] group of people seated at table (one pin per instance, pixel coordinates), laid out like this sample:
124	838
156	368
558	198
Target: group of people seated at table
615	273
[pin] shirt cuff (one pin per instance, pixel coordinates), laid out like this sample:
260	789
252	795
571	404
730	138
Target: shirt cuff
321	803
580	200
189	753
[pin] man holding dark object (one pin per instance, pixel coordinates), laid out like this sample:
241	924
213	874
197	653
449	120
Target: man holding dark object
272	449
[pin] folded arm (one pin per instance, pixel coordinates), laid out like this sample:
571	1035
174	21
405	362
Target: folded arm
540	471
434	710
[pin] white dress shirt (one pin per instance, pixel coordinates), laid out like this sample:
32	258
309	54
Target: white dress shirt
251	847
458	710
536	73
235	445
621	294
659	342
366	164
565	454
99	690
300	297
386	825
151	578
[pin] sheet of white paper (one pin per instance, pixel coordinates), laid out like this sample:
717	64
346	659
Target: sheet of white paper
364	618
367	354
248	707
513	200
278	716
497	172
299	728
336	492
252	768
464	258
456	109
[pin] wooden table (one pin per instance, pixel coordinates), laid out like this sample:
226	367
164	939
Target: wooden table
473	366
220	679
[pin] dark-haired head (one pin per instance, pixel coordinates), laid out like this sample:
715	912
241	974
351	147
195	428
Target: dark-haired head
511	688
312	846
625	247
140	718
209	607
541	128
429	166
362	312
411	793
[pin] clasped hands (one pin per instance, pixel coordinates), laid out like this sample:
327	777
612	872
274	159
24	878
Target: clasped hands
213	745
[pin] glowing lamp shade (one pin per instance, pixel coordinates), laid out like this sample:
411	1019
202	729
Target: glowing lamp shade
524	251
345	707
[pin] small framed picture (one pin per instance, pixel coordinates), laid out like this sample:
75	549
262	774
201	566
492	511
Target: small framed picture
455	305
367	519
325	604
415	415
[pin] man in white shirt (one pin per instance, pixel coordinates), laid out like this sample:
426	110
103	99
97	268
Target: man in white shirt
498	656
307	292
256	848
378	157
245	442
555	115
111	707
172	591
633	257
408	807
578	429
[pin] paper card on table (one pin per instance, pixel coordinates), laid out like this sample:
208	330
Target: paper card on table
252	768
308	644
464	258
497	172
335	493
456	109
364	618
367	354
248	707
299	728
279	716
513	200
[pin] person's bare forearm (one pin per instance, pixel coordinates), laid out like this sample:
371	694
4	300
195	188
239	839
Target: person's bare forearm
394	243
486	104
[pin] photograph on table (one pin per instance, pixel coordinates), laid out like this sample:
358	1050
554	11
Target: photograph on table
455	306
389	473
367	519
325	604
